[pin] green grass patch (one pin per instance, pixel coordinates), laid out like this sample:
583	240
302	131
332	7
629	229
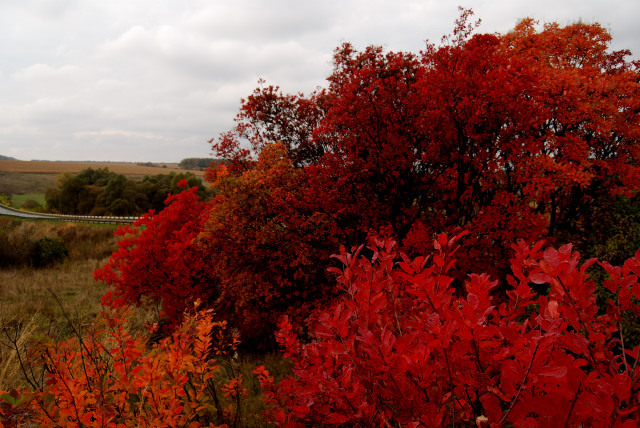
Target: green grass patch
17	200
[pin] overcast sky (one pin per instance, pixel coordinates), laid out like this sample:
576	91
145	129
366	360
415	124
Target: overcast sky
153	80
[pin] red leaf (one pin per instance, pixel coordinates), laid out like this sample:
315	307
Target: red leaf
337	418
541	278
636	290
553	371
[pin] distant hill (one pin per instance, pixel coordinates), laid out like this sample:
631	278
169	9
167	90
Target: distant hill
7	158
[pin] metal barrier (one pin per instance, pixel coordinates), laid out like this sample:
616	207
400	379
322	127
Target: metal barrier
13	212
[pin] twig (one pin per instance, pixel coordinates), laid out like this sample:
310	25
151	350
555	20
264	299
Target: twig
77	334
573	403
524	380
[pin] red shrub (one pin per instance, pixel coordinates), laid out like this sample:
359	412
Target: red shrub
268	244
404	347
159	260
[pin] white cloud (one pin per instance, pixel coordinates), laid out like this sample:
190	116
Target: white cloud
155	79
44	71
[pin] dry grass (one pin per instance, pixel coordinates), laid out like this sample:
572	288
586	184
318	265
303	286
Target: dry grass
59	167
85	241
31	291
15	183
54	301
28	308
34	302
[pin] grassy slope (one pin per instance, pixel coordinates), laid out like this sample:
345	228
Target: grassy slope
34	302
28	304
18	200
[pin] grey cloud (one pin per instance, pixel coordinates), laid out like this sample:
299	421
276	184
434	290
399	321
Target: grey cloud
155	79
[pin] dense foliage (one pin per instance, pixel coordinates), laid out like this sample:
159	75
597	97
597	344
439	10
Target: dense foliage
102	192
521	135
158	258
525	135
403	347
251	252
264	238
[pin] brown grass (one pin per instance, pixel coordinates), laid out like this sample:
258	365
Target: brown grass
29	309
85	241
18	183
59	167
33	301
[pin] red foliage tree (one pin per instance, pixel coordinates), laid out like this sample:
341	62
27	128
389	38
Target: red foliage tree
268	245
402	348
507	136
268	116
256	251
158	259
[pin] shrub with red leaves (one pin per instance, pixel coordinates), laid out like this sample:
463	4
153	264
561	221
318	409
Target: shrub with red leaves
159	260
404	347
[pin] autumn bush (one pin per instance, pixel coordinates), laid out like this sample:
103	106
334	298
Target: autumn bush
269	244
527	135
404	346
256	251
500	140
110	377
48	251
158	259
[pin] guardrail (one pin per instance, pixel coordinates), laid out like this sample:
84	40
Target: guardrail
13	212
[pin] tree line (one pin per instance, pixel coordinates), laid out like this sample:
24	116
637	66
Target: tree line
103	192
198	163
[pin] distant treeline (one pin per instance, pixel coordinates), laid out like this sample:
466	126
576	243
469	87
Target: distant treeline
197	163
102	192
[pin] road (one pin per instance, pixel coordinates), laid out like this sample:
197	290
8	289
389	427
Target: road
12	212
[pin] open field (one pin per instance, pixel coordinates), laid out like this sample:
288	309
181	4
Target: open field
28	177
58	167
20	183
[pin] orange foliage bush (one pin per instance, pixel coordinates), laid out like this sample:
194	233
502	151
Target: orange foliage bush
268	244
111	378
